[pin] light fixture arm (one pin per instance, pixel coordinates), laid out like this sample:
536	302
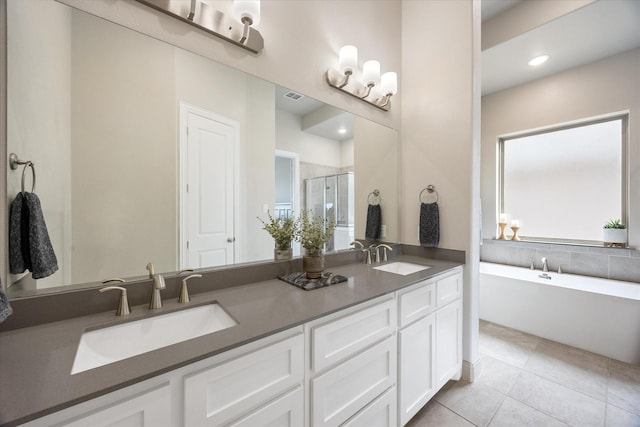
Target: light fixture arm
352	87
212	21
192	11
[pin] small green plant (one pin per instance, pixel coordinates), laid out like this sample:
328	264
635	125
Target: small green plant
283	230
615	224
313	233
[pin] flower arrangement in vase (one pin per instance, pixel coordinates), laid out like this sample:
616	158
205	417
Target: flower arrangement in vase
313	234
283	230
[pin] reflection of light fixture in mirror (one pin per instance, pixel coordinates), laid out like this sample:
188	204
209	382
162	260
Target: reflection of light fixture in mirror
203	15
373	88
342	131
538	60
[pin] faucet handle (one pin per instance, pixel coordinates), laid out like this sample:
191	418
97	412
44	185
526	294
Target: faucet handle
158	281
184	293
384	250
368	251
151	270
123	304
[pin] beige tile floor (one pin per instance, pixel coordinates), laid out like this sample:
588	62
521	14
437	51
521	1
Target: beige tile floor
530	381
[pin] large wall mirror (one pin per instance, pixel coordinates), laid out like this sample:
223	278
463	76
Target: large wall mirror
139	145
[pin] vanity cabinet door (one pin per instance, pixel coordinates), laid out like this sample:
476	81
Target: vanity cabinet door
151	409
448	343
379	413
232	389
343	391
448	289
416	302
285	411
417	376
336	339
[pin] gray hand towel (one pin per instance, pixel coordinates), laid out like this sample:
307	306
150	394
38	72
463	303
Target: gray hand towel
429	225
5	308
19	257
29	244
374	223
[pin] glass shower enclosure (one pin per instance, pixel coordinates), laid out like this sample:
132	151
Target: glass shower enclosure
332	198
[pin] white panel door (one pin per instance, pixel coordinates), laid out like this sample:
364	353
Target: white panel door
208	193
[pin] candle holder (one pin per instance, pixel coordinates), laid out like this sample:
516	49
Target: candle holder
502	225
515	233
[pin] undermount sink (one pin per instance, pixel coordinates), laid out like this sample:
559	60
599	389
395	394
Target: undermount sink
402	268
107	345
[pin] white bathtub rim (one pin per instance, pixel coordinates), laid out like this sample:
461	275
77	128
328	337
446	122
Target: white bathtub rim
601	286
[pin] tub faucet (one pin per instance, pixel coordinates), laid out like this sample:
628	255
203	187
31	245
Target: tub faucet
545	267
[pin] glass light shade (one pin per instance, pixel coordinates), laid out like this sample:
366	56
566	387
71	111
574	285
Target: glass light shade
247	8
348	59
389	83
371	73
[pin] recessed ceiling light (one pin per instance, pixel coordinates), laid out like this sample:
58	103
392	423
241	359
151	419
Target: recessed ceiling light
538	60
342	131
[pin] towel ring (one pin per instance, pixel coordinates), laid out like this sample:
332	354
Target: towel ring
375	194
431	190
33	174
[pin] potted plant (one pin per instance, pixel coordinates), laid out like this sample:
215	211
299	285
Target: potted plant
313	233
614	233
283	230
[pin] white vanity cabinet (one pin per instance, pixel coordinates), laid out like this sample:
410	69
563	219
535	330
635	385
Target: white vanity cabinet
260	383
374	364
429	340
353	365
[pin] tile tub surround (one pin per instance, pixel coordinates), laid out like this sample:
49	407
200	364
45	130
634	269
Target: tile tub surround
608	263
40	357
530	381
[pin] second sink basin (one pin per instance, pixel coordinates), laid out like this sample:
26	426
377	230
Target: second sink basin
107	345
402	268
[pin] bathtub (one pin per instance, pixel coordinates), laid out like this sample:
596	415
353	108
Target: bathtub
597	315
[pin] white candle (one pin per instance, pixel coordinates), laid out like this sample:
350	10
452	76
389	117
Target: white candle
515	223
503	218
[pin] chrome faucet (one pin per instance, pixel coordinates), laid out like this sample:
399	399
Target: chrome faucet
545	267
356	243
158	285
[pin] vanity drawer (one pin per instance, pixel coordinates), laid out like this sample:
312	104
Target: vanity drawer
335	340
231	389
416	302
448	289
343	391
380	413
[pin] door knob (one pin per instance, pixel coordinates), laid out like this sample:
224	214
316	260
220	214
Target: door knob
231	239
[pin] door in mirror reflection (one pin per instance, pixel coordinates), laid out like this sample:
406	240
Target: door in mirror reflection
208	162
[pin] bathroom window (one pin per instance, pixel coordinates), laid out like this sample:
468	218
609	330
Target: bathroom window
564	183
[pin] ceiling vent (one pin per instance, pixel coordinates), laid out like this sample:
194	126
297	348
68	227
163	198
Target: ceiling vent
294	96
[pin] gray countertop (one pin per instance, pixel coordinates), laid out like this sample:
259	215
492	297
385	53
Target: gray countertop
35	362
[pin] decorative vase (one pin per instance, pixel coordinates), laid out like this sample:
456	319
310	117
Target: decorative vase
614	236
313	265
282	254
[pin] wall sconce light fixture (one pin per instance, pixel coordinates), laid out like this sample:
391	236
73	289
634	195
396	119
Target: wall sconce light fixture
373	88
199	13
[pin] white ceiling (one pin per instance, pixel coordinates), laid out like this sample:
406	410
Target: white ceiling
594	32
329	127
